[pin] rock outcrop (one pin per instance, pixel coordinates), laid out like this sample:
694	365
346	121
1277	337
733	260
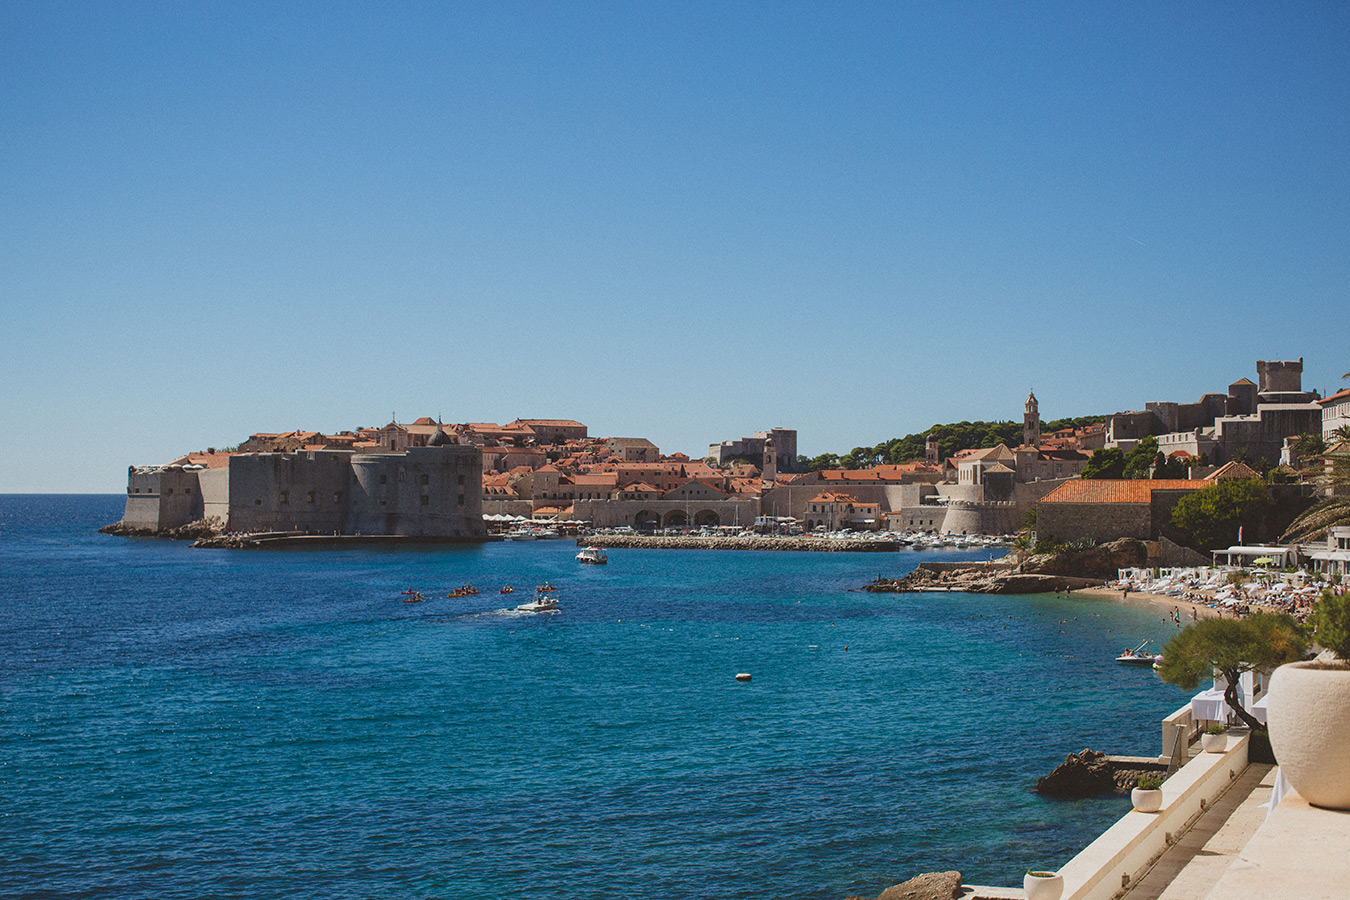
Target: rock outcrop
192	531
1044	573
1100	562
929	886
1091	773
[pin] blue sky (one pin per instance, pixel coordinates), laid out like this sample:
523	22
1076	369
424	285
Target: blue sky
680	221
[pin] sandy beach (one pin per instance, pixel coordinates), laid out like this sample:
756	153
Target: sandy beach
1143	597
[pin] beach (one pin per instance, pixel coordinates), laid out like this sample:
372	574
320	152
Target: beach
1189	611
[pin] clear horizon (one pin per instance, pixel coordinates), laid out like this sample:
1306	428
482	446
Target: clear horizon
682	223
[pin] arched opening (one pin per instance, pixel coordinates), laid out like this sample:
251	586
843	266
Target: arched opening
706	517
676	519
646	520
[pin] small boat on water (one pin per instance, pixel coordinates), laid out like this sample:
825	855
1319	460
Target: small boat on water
415	598
464	590
507	589
592	556
543	602
1139	656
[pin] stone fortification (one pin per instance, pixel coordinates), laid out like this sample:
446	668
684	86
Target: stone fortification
432	492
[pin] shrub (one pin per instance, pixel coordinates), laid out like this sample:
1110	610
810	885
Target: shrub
1216	729
1331	623
1149	782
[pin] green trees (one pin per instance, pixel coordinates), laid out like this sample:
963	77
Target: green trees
1232	647
1109	462
1330	621
950	438
1210	517
1112	462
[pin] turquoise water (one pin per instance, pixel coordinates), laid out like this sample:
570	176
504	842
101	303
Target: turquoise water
191	723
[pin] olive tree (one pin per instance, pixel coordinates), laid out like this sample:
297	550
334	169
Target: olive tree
1232	647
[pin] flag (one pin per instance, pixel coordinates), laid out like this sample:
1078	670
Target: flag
1239	535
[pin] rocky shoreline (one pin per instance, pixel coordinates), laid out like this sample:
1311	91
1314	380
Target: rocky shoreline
1067	570
192	531
758	542
1091	773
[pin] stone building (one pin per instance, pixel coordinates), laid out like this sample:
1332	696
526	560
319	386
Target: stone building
433	492
1254	419
751	449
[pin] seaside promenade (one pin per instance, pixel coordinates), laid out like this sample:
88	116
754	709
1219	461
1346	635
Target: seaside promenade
1217	838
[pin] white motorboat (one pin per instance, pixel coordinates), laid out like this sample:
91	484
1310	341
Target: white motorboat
1138	656
541	603
592	556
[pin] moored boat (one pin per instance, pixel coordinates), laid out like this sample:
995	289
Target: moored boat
1138	656
592	556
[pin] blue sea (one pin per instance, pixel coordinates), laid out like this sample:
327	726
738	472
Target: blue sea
180	723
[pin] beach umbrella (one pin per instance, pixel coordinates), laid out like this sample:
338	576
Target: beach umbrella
1262	561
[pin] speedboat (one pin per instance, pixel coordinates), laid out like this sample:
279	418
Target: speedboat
1138	656
541	603
593	556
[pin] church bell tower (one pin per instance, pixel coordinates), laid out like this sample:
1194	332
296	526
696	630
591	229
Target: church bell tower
1031	422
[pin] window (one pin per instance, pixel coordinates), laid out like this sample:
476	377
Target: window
425	500
309	498
426	479
461	500
337	496
284	497
461	479
384	479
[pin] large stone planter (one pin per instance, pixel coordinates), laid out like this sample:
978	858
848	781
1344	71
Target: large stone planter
1308	709
1146	800
1214	743
1043	885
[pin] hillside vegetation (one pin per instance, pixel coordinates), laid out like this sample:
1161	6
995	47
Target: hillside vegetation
951	438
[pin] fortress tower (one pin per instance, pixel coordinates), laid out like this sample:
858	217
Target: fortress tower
1031	422
770	467
1279	376
930	450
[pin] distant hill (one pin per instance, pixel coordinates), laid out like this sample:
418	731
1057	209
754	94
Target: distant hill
951	437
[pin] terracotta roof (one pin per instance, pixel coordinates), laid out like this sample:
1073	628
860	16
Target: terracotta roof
1336	397
604	479
832	497
1233	469
1117	490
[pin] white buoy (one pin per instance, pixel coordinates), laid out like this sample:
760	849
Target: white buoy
742	676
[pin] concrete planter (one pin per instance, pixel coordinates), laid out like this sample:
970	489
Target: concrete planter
1309	715
1214	743
1147	801
1043	885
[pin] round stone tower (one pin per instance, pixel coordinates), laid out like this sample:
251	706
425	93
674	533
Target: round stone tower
770	467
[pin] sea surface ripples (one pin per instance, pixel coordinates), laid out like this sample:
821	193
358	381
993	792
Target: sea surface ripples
186	723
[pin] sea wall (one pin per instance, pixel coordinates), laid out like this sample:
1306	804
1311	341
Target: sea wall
759	542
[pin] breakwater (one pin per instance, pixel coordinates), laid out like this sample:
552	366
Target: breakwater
719	542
